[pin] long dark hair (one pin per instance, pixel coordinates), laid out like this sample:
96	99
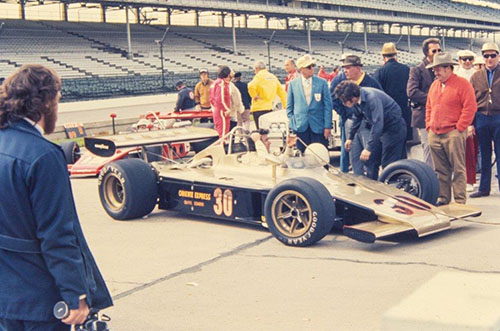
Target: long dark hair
29	92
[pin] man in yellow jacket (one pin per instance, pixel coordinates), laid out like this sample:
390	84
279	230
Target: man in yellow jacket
263	89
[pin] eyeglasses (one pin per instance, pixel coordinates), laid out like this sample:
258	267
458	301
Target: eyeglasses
434	51
467	58
490	56
310	67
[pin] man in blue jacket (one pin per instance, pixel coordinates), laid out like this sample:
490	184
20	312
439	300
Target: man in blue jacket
352	69
383	116
185	97
309	105
44	257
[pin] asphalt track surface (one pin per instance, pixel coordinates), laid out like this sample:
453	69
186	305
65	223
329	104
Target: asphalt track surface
170	271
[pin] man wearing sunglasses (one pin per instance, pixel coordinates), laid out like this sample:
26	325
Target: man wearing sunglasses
309	105
466	64
418	86
486	83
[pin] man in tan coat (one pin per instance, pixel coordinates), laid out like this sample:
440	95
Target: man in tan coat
202	91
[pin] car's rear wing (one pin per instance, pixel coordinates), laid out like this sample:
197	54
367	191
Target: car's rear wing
107	146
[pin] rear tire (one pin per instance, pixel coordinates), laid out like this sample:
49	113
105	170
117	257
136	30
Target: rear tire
300	211
71	151
413	177
128	189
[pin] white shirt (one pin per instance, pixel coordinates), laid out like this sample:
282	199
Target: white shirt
307	85
38	127
465	73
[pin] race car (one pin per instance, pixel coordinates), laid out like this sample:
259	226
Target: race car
300	198
88	164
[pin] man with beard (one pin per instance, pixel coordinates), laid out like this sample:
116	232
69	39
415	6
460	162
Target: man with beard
44	257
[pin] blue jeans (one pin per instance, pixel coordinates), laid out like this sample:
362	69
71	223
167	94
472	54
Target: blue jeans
488	132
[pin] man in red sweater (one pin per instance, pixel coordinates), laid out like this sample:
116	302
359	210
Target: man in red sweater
450	109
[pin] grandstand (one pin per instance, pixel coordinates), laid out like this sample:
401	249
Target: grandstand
99	59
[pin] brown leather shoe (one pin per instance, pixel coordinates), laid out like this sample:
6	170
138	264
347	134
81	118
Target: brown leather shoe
479	194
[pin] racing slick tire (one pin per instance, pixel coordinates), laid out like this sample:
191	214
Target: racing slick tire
299	211
413	177
128	189
71	151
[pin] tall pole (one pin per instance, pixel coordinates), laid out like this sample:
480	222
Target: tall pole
309	35
365	37
268	43
409	41
235	50
129	39
162	69
160	42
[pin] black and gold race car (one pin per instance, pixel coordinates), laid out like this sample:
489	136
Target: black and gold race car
299	198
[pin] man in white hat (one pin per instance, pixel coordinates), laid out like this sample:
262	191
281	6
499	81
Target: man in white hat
486	83
309	105
451	105
478	62
466	64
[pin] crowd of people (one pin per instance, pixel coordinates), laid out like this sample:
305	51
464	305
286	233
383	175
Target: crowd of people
453	108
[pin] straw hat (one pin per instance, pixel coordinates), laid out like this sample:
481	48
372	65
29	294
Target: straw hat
305	61
490	47
465	53
389	49
442	59
479	60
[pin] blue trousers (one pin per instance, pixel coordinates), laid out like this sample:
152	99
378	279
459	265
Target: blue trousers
488	134
367	168
389	149
344	155
17	325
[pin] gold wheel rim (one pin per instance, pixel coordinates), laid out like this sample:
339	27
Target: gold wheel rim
292	213
114	193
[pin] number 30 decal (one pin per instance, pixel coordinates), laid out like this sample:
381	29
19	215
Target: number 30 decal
223	202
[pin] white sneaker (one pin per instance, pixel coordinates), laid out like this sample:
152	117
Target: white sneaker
470	188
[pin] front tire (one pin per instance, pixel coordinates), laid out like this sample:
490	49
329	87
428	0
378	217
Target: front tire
300	211
413	177
71	151
128	189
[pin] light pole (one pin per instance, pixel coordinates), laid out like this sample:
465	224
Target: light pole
268	44
160	42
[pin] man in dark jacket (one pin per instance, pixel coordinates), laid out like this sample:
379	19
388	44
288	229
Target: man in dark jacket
44	257
185	97
243	118
387	130
418	86
352	70
393	77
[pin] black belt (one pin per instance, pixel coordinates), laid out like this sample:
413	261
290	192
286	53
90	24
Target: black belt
19	245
